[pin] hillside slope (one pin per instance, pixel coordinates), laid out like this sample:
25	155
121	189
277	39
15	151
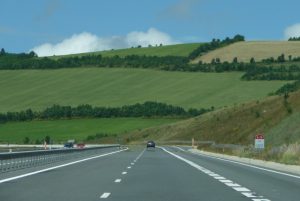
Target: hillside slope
236	125
168	50
37	89
259	50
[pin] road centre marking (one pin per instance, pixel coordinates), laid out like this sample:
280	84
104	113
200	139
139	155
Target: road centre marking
118	180
105	195
228	183
124	172
139	156
59	166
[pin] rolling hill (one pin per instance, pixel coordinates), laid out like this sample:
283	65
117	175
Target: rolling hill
37	89
168	50
259	50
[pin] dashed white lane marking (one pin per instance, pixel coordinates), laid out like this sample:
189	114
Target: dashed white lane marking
179	148
59	166
225	181
105	195
131	163
128	167
118	180
244	191
139	156
124	172
232	184
247	165
219	178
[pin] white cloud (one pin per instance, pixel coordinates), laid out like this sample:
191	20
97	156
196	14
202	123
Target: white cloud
87	42
292	31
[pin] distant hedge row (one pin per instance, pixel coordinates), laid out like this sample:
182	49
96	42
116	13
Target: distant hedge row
147	109
215	44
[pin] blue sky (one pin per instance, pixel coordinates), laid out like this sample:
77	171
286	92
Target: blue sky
30	24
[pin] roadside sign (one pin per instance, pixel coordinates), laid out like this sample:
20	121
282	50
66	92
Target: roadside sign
259	141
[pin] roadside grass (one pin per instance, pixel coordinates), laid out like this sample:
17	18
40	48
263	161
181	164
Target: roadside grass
38	89
288	130
167	50
259	50
236	125
79	129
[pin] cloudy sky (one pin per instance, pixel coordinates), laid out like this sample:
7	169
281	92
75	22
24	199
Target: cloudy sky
69	26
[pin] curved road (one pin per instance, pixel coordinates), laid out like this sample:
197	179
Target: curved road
138	174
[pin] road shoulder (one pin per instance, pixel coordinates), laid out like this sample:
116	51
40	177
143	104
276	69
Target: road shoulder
294	169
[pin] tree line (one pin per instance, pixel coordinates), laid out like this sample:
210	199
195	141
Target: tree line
27	61
257	72
147	109
294	39
289	87
31	61
215	44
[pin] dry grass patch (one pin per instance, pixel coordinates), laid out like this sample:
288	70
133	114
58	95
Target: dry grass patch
259	50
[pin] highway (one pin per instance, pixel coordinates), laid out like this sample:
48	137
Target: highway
139	174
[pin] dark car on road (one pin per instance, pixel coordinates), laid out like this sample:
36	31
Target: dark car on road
150	144
69	145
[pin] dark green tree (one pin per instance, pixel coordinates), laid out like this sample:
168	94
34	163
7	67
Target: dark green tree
47	139
26	140
2	52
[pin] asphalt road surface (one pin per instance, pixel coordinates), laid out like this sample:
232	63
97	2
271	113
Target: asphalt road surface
139	174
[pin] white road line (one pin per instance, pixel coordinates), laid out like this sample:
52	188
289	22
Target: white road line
118	180
241	189
232	184
219	178
59	166
132	163
244	191
124	172
179	148
225	181
128	167
252	166
249	195
139	156
105	195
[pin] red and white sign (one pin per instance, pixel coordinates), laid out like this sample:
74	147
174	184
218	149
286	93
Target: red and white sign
259	141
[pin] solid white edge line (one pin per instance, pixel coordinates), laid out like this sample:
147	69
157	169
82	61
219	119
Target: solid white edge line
59	166
247	165
105	195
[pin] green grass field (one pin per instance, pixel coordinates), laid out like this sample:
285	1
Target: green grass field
79	129
37	89
168	50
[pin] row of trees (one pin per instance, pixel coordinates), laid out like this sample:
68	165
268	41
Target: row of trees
280	59
289	87
294	39
214	44
256	72
133	61
147	109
